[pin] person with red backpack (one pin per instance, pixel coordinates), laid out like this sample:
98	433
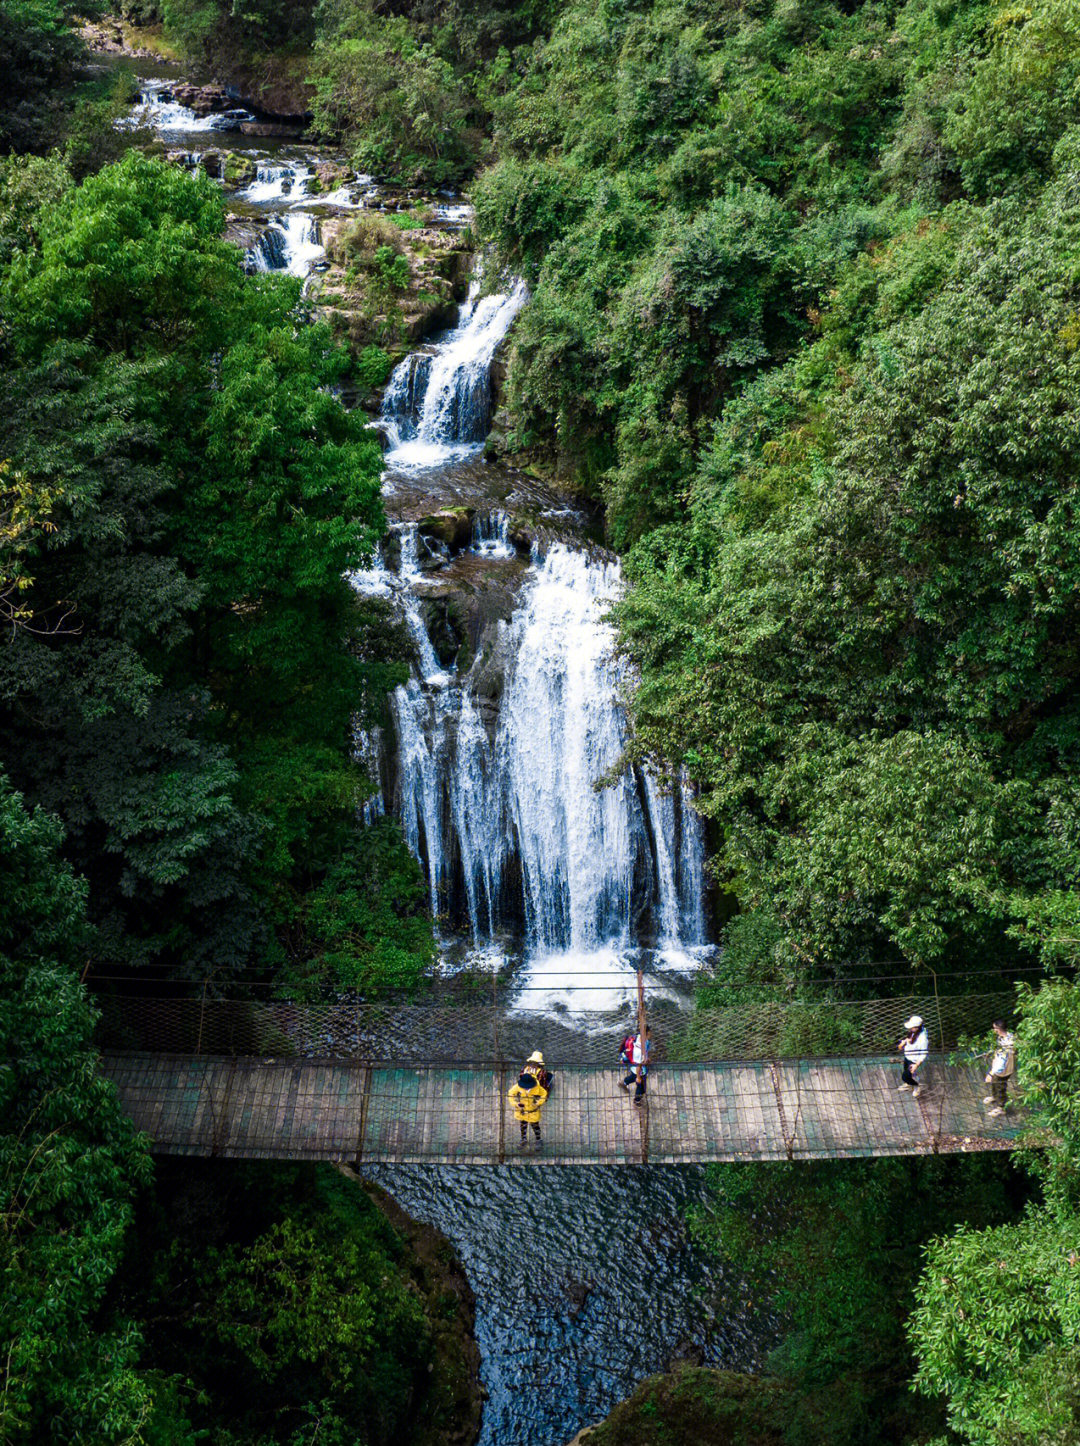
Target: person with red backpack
635	1054
626	1054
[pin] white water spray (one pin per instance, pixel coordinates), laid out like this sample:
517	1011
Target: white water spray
436	406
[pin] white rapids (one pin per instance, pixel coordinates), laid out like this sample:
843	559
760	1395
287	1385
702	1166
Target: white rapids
436	406
507	818
289	243
523	811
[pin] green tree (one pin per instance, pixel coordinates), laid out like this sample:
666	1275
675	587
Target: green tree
997	1324
69	1165
211	495
832	1249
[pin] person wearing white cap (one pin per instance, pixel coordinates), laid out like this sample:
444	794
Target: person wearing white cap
914	1046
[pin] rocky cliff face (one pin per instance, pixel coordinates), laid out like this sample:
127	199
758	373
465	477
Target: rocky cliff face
367	312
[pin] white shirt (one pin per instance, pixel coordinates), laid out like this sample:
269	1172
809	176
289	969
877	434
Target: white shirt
916	1050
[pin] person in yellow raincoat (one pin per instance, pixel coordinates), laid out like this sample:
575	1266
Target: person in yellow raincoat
528	1097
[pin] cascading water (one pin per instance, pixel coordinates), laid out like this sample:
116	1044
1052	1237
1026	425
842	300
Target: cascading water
495	783
276	181
157	109
436	407
289	243
512	831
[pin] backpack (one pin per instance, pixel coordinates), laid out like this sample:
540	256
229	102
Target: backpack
628	1047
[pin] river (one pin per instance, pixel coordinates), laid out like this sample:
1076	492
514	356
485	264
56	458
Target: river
585	1278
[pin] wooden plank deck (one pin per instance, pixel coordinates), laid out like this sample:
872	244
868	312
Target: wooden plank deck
305	1109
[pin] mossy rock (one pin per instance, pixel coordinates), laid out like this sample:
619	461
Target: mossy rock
452	526
237	170
695	1406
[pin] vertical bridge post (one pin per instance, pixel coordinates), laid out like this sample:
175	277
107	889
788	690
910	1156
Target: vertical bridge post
643	1112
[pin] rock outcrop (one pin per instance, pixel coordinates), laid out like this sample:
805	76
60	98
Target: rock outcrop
366	313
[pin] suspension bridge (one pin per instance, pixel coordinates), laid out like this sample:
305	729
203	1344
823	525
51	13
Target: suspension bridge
361	1082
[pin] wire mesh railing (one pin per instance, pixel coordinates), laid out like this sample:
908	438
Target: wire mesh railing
504	1032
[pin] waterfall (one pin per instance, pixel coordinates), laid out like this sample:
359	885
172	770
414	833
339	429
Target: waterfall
494	769
436	407
505	816
157	109
491	536
289	243
276	182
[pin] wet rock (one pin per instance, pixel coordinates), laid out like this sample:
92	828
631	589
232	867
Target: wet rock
276	86
244	231
577	1293
237	170
211	164
452	527
447	627
687	1353
202	99
330	176
281	130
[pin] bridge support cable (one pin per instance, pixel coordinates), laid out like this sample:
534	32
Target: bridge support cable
221	1116
500	1096
788	1135
643	1034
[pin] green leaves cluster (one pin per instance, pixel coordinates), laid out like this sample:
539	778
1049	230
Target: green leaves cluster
996	1328
395	100
861	642
69	1164
833	1251
185	699
285	1295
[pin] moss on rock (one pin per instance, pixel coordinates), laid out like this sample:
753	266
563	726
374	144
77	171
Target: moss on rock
695	1406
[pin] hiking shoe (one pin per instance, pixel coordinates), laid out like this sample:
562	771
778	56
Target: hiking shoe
903	1087
988	1099
916	1092
997	1110
624	1087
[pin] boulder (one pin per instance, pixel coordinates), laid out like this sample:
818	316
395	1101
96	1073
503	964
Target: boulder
452	527
237	170
282	130
202	99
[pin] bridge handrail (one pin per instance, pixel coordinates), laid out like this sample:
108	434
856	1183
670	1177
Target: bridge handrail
470	1034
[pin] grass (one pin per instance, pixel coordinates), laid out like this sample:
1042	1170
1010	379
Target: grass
148	37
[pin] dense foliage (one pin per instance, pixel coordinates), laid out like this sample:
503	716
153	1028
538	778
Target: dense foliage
181	686
292	1305
835	1248
803	316
69	1164
997	1324
42	56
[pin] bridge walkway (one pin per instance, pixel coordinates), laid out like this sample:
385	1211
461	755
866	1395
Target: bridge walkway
332	1109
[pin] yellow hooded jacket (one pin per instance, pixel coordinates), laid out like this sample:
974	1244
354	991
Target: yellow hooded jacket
527	1102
